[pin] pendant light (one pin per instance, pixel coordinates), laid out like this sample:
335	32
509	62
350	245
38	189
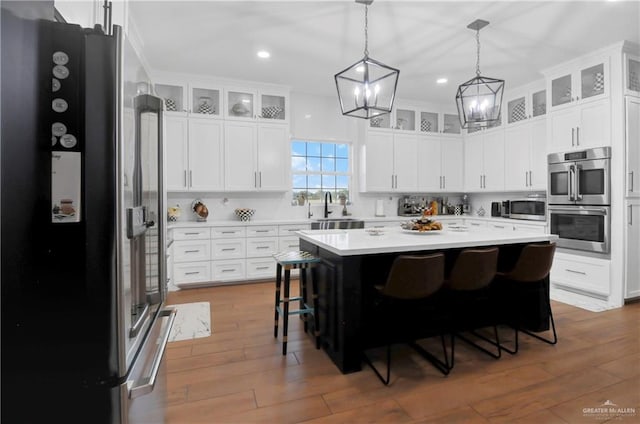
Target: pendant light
479	99
367	88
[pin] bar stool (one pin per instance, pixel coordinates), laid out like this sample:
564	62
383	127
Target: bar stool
408	295
533	265
469	297
295	260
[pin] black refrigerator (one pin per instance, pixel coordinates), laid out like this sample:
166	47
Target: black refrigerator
84	323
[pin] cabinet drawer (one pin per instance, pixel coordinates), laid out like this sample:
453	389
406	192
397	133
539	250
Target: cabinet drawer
227	232
474	225
191	233
288	230
262	231
581	273
192	272
261	246
228	248
189	251
228	270
530	228
288	243
261	268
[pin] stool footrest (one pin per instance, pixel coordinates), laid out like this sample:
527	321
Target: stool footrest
306	310
292	299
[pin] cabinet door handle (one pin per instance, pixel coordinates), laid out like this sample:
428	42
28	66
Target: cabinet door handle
293	229
577	136
260	179
192	273
293	245
262	247
499	226
228	270
480	180
228	249
573	134
392	181
262	267
228	232
255	179
191	234
444	181
191	251
575	272
630	215
185	178
631	181
262	231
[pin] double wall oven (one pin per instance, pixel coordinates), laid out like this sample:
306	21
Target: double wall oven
579	199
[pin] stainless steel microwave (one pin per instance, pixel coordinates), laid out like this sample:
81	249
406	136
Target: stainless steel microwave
531	208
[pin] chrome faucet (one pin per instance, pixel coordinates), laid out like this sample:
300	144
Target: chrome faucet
326	206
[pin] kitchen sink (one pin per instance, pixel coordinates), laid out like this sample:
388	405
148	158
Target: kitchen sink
339	223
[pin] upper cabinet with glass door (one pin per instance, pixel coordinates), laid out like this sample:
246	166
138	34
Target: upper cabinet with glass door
526	103
585	81
205	101
438	123
174	96
274	106
631	75
405	119
240	104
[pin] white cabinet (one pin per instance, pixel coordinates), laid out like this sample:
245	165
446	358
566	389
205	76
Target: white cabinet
582	273
631	74
440	162
250	105
580	126
525	158
194	151
526	103
390	162
257	156
632	251
579	82
632	142
484	161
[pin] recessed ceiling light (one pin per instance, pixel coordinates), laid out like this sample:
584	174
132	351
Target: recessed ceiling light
263	54
441	80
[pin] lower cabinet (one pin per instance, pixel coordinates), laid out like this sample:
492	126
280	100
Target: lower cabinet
221	254
581	273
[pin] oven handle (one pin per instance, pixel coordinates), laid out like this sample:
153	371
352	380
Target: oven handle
577	194
570	182
581	211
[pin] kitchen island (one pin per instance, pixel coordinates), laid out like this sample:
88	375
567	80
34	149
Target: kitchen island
352	261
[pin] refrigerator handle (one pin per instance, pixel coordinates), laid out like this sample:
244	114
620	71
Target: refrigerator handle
149	381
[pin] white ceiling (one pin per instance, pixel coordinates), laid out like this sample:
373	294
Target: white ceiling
310	41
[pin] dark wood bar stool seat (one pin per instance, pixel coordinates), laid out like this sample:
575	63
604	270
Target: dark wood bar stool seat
532	266
469	298
295	260
402	301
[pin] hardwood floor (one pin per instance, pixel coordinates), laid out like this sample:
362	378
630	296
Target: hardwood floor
238	374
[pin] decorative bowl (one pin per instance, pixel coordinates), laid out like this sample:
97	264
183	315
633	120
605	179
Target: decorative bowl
271	112
245	214
200	209
239	109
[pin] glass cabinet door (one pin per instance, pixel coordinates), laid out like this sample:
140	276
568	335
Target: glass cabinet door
429	122
561	90
405	119
451	124
633	74
517	110
205	101
173	96
539	103
592	81
381	121
273	107
240	104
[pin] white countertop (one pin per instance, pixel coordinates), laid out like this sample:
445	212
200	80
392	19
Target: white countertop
294	221
393	240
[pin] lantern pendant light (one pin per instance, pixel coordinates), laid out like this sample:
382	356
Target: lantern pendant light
479	99
367	88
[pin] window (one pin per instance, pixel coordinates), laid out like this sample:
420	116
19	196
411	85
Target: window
318	167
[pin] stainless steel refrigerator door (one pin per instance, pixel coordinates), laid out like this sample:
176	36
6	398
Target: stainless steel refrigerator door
140	197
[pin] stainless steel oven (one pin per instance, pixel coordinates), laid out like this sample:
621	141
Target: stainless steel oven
581	227
580	178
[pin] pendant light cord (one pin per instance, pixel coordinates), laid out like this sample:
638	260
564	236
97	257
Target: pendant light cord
366	30
478	52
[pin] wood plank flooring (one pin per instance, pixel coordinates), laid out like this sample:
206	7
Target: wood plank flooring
239	375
